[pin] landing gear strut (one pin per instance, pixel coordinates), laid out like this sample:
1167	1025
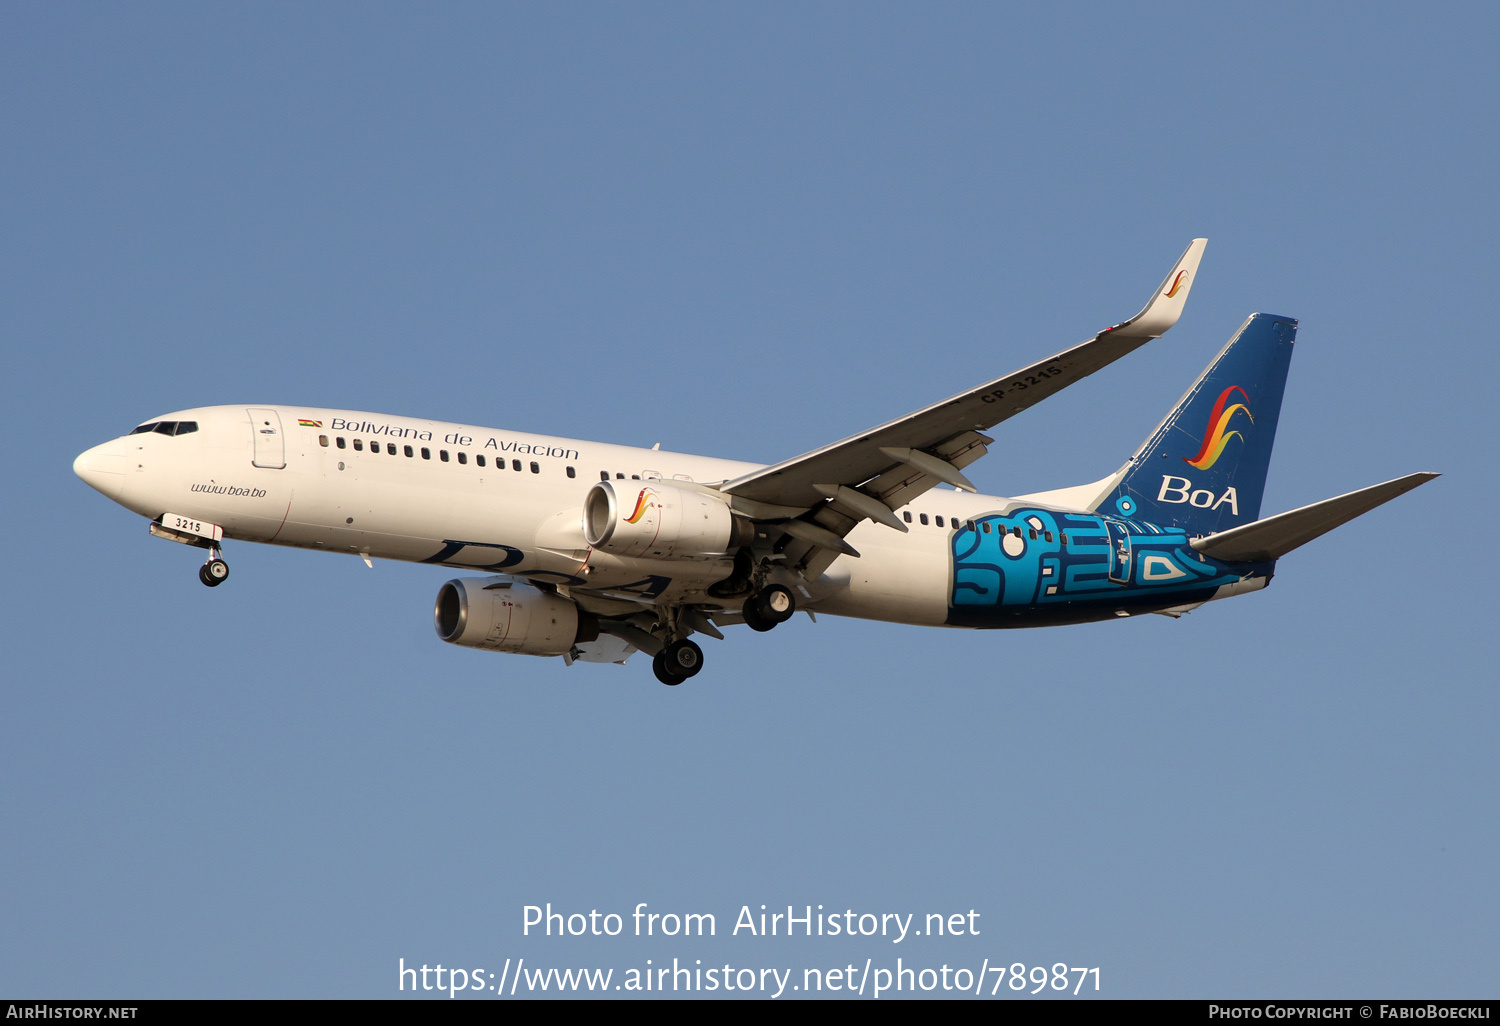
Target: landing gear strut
215	572
677	662
768	607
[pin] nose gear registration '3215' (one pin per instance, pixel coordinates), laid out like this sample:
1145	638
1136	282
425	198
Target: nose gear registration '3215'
593	551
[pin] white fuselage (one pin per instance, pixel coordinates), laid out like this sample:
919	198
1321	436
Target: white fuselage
490	500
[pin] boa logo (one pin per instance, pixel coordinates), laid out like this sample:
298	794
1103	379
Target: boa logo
642	503
1216	437
1180	489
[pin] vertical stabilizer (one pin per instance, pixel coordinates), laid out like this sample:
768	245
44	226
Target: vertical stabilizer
1204	469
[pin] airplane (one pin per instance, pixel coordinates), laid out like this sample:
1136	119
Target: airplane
592	551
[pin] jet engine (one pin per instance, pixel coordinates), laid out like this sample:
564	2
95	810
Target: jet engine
660	521
502	615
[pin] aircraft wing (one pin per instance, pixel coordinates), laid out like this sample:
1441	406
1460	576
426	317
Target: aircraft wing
900	459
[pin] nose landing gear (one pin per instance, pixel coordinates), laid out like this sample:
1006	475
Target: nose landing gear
200	534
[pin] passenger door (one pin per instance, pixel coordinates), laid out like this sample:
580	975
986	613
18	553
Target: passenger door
270	445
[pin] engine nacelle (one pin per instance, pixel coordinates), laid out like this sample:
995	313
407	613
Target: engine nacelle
502	615
659	521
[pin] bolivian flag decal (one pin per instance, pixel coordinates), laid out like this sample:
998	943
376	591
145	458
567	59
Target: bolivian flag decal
309	423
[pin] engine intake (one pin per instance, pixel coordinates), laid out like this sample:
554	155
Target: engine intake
502	615
660	521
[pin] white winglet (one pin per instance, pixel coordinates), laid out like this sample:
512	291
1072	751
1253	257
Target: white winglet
1166	305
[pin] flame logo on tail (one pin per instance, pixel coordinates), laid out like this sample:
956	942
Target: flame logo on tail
1177	283
1215	438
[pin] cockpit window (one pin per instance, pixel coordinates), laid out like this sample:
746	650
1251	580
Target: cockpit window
168	427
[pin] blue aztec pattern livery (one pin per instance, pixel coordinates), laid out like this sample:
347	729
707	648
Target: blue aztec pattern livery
1015	570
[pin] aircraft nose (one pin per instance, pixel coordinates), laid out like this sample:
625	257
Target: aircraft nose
102	468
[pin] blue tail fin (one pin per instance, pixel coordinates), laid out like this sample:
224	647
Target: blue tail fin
1204	469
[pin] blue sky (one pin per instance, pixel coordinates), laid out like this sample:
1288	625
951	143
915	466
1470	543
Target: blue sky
746	231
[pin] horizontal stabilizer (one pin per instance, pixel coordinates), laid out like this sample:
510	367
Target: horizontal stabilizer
1274	537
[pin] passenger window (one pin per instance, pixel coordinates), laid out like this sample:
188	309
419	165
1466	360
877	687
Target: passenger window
986	527
619	476
571	472
443	455
1016	531
635	477
536	468
390	447
342	444
323	441
604	475
514	465
408	451
938	521
1047	535
1063	537
426	453
359	446
922	517
463	457
1032	533
906	515
480	460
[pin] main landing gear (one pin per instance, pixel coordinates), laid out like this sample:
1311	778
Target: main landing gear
680	659
215	572
677	662
768	607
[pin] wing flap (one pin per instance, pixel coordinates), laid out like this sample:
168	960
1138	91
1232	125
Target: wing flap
605	649
903	483
1274	537
895	488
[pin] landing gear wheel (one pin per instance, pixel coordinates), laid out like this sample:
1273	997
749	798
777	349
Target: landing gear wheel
214	572
666	676
682	658
777	603
771	605
753	619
